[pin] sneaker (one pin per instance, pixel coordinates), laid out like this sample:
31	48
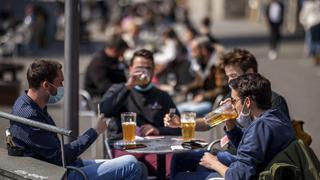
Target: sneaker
273	55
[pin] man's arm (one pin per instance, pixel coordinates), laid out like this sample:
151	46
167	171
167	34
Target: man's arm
251	153
278	102
234	135
46	145
168	130
201	125
114	99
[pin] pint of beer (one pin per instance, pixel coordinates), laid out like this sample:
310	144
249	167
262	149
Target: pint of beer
128	120
223	113
188	125
144	77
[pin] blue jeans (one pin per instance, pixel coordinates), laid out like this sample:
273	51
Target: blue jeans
185	166
201	108
124	167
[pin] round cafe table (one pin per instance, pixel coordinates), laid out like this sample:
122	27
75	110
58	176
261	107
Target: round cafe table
159	145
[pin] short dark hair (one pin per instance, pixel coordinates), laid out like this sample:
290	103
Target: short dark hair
117	42
206	21
255	86
143	53
242	58
170	33
42	70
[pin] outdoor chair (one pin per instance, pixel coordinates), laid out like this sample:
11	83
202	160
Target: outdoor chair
20	167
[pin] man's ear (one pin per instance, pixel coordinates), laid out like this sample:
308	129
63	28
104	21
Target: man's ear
248	102
45	84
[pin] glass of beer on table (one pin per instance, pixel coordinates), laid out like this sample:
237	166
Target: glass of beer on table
188	125
223	113
128	122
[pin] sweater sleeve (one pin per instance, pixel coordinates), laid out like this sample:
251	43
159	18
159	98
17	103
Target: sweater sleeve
46	145
251	152
234	135
114	99
168	130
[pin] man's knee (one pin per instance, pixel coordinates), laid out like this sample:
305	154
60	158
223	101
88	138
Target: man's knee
137	168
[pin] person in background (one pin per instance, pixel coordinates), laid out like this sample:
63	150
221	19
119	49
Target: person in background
106	68
310	19
208	83
205	30
274	15
45	79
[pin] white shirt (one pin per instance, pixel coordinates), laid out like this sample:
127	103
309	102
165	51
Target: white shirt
275	12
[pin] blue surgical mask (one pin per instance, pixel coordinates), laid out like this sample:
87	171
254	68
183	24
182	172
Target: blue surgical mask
53	99
143	89
244	119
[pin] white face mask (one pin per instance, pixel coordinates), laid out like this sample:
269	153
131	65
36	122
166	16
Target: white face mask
244	119
53	99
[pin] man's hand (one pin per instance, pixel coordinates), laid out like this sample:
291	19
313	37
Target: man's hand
147	130
211	162
230	124
101	125
133	79
173	122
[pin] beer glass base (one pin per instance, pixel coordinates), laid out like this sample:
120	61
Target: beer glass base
129	143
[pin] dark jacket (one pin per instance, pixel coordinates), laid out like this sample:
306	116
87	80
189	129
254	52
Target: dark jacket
297	161
259	143
102	72
278	102
42	144
150	106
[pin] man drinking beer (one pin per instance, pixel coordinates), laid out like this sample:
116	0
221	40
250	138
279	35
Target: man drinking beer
251	98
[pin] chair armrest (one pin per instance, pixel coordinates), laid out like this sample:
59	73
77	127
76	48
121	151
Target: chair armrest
78	170
212	144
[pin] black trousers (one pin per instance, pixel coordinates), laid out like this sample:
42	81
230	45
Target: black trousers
275	35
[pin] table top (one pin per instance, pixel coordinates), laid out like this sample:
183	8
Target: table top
155	146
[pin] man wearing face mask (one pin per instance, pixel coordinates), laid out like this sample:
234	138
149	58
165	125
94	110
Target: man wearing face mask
45	79
138	95
235	63
269	132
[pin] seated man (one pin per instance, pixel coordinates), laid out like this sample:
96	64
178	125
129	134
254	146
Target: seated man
209	79
241	61
45	87
268	132
106	68
150	104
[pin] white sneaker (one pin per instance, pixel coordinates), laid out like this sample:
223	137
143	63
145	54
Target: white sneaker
273	55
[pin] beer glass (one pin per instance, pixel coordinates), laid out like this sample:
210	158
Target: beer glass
188	125
128	121
223	113
144	77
